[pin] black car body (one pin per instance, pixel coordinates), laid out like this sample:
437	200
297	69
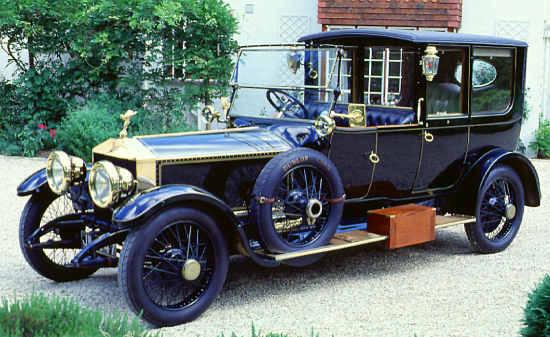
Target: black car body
353	120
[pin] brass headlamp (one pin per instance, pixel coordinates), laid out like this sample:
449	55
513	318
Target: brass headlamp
108	184
63	170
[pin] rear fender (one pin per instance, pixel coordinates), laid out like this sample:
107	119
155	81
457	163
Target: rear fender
468	191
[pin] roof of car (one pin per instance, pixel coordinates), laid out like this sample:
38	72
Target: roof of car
413	36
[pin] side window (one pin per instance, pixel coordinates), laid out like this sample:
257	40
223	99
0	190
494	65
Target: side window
444	94
389	76
492	80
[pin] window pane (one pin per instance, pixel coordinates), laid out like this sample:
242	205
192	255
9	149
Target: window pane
377	68
395	69
376	85
444	93
389	76
492	75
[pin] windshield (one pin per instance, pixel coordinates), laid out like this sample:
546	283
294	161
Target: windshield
284	81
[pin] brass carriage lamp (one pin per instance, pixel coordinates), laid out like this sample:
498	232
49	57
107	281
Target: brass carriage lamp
430	63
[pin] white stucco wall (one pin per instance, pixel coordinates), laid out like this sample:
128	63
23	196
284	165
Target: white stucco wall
523	20
278	21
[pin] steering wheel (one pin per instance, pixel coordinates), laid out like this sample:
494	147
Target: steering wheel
286	104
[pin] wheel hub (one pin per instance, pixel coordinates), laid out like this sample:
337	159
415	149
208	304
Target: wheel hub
510	211
314	209
191	270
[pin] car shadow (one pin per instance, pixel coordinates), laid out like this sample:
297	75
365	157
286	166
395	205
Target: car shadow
248	283
359	263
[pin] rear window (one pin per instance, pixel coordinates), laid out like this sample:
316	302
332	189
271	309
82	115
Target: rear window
492	80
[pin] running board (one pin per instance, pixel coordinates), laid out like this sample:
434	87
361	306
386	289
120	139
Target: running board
361	238
446	221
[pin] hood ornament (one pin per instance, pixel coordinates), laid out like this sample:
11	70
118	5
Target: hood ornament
126	117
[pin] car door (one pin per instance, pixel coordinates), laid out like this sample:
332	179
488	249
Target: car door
391	91
350	151
445	132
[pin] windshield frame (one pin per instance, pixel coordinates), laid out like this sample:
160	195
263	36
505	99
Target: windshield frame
335	70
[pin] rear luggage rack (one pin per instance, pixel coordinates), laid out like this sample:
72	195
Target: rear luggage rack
360	238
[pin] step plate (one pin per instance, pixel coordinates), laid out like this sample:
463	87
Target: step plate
339	241
360	238
445	221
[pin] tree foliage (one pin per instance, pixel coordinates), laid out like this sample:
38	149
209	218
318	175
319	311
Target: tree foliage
68	51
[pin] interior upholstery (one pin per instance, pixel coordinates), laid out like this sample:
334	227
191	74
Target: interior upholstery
379	115
443	97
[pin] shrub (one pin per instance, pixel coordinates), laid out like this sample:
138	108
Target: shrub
537	312
88	125
99	119
39	315
541	145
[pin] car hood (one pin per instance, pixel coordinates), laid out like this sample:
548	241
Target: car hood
196	145
142	154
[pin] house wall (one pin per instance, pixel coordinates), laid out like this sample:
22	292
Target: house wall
280	21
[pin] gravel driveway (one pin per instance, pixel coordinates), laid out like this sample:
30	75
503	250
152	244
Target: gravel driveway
437	289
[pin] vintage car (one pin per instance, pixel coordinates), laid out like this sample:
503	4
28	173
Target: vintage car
324	141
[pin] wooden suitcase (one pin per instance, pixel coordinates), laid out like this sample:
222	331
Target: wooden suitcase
404	225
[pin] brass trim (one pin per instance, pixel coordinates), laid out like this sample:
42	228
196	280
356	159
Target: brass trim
428	137
356	115
190	133
374	158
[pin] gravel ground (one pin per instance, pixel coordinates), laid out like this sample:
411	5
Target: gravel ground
437	289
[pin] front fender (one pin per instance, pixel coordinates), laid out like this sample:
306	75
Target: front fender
34	183
141	206
476	177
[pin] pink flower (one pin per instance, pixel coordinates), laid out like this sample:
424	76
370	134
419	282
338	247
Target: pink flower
42	126
53	133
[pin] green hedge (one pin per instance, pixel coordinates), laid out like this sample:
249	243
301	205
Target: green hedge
43	316
537	312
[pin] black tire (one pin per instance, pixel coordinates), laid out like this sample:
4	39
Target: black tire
155	237
269	194
488	234
31	219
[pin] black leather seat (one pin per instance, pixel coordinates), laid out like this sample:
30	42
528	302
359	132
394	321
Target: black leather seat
316	108
379	115
443	97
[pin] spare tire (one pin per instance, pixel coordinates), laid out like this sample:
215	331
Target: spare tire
297	201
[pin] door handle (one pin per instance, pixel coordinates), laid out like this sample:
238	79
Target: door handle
374	158
419	110
428	137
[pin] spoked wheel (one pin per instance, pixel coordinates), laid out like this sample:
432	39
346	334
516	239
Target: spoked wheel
52	263
499	211
301	207
298	201
174	266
